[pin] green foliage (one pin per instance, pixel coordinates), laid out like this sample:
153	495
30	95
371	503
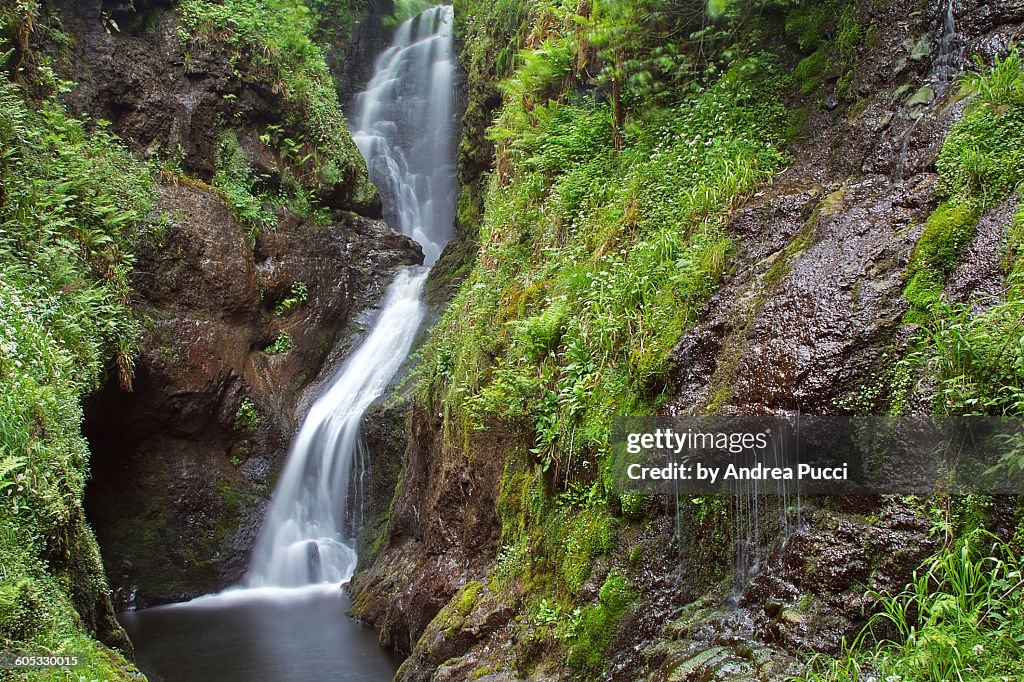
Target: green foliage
248	416
597	624
976	359
997	87
71	202
961	617
594	260
297	296
274	38
282	344
982	159
239	188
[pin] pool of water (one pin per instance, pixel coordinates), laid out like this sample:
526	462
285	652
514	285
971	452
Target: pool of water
265	635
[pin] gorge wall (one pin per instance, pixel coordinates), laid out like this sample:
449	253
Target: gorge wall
502	554
242	311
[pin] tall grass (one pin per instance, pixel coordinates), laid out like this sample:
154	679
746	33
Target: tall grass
960	618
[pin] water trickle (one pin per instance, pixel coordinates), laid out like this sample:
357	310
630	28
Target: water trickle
948	61
947	64
405	129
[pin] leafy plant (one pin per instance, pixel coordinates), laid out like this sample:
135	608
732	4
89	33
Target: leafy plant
282	344
248	416
298	294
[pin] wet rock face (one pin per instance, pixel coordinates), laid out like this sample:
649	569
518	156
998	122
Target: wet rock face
807	315
814	299
444	529
184	464
168	100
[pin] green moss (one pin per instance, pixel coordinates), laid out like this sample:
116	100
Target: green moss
946	233
829	34
574	540
597	624
452	616
812	69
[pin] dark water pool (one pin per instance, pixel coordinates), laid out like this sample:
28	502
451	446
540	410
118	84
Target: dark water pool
264	635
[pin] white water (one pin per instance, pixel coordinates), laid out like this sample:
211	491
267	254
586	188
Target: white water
404	128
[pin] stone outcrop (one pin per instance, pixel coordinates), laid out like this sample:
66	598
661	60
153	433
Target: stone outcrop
183	465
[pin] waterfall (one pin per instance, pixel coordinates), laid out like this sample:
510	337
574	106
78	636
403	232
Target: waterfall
405	129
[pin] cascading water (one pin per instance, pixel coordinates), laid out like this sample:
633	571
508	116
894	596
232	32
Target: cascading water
404	128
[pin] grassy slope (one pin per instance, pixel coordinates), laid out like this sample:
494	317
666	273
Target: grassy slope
600	238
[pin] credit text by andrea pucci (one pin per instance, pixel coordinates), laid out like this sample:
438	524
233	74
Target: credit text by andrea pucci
787	454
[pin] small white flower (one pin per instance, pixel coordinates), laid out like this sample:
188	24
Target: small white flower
978	648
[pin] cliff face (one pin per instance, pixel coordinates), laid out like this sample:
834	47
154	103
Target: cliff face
470	573
184	464
268	249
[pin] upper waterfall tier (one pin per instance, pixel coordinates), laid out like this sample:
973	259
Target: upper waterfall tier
404	125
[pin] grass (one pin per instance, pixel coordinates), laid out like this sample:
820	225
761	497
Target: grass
593	260
960	618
